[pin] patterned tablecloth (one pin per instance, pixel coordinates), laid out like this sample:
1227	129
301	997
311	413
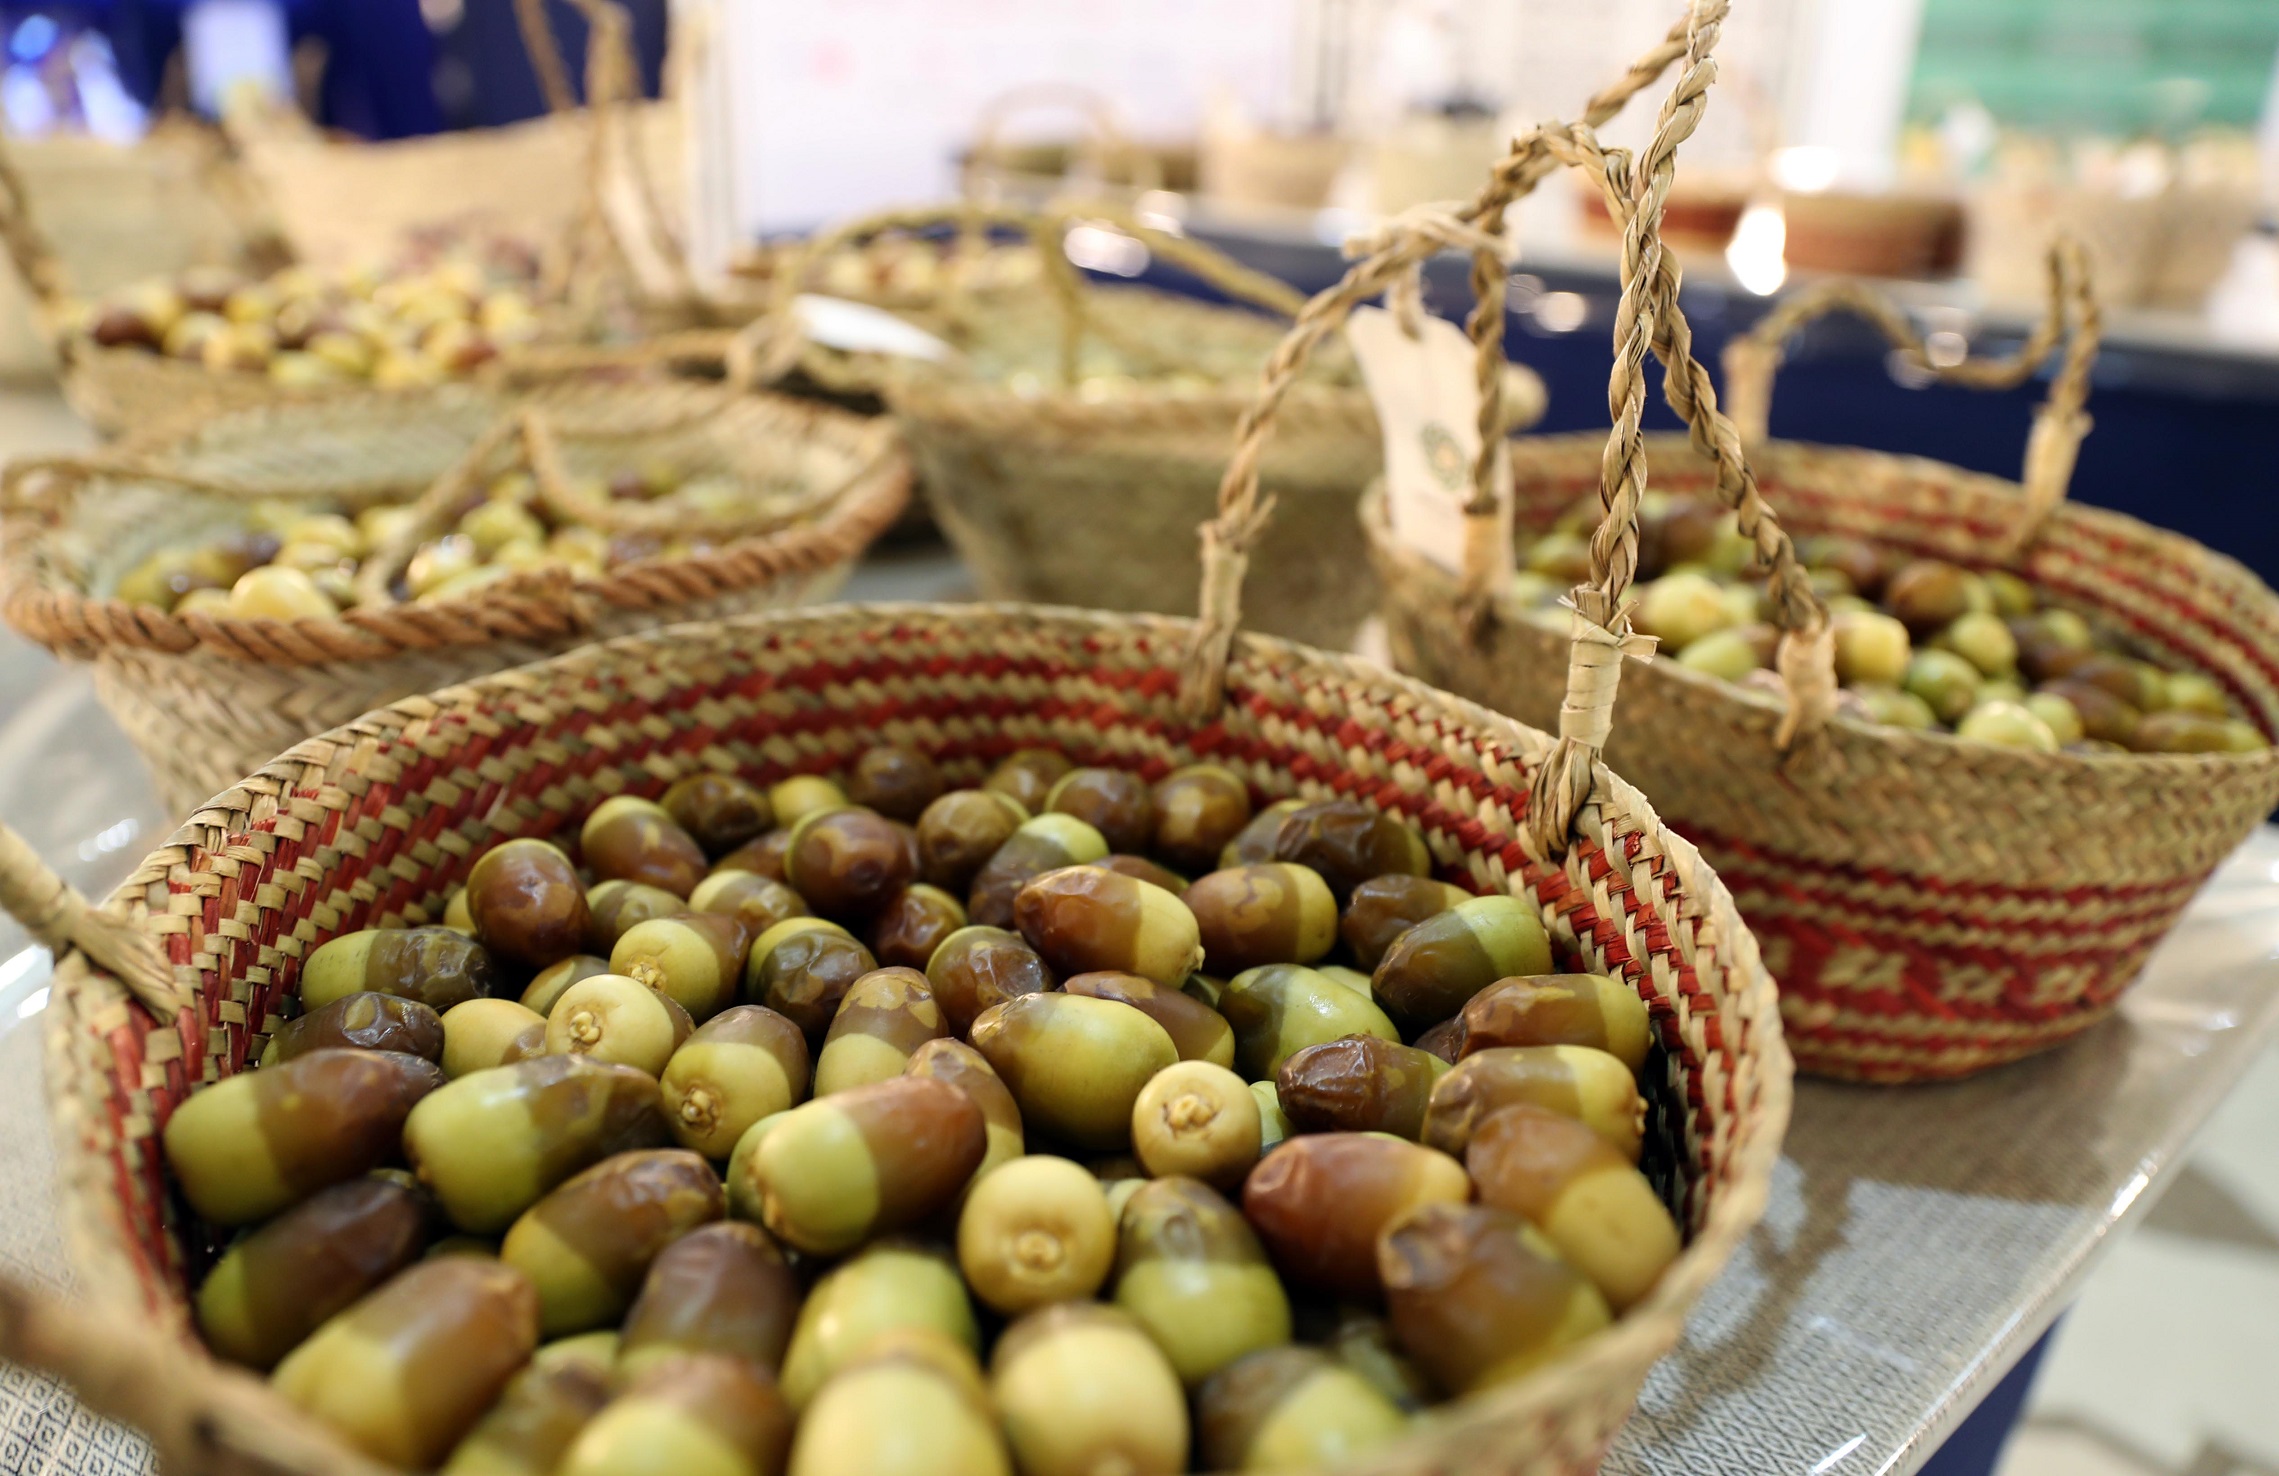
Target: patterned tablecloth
1917	1240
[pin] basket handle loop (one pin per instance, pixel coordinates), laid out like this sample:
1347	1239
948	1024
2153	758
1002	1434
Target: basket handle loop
545	52
203	1417
28	246
1805	659
599	239
53	912
2071	312
1104	133
1227	538
768	348
1602	628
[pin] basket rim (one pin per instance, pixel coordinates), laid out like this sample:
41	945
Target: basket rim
921	389
1918	745
1607	1365
62	617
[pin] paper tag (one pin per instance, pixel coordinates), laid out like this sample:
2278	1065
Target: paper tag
857	327
1428	404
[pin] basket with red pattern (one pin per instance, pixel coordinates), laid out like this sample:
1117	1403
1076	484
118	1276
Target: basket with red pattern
1932	906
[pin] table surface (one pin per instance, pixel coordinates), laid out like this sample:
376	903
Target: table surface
1917	1241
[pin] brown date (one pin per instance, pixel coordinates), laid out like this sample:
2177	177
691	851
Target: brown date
1266	913
1360	1084
1198	810
632	839
527	904
1476	1296
1320	1201
912	924
758	902
1384	907
959	832
1114	802
898	783
1028	775
801	969
977	967
364	1021
719	811
846	863
761	857
1348	843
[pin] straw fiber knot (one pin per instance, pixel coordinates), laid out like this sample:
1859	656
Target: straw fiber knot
1806	660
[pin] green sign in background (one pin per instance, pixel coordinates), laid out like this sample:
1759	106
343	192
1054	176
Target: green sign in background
2116	67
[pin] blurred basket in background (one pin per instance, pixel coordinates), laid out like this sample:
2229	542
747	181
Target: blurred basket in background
1077	435
608	262
205	696
2160	224
123	212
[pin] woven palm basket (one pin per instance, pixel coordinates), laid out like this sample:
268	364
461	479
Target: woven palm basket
1931	906
1073	447
377	822
174	981
207	698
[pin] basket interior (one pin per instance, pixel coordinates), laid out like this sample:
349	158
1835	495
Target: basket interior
789	461
1133	333
376	824
2180	603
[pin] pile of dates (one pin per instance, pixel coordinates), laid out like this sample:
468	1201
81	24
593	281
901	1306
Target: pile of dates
297	561
413	324
859	1124
1920	643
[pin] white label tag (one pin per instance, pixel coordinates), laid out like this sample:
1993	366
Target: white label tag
857	327
1429	407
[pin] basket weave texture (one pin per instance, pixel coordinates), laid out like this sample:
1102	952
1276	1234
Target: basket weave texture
1065	496
207	699
377	822
1930	906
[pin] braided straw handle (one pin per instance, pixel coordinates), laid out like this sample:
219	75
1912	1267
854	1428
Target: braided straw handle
1227	539
2060	422
1104	135
204	1420
613	87
1646	319
768	348
545	54
27	245
54	913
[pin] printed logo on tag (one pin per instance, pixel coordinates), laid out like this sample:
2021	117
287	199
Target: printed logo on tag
1428	406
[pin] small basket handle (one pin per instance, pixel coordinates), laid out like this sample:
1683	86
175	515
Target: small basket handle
545	52
1104	135
1241	518
54	913
613	87
1647	318
769	347
204	1418
2060	421
28	246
